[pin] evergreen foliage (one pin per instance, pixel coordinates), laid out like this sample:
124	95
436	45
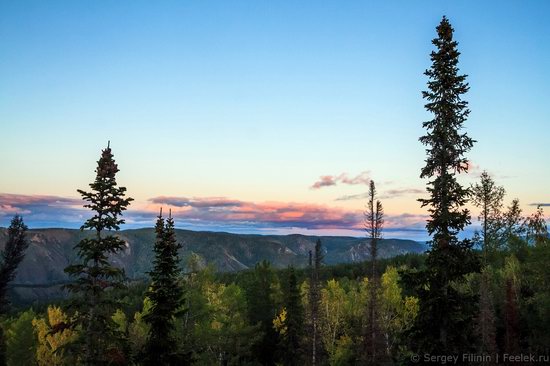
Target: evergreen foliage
487	196
374	220
444	324
166	295
262	311
12	255
94	275
292	354
314	300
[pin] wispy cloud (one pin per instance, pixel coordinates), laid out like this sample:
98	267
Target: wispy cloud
389	194
344	178
541	204
394	193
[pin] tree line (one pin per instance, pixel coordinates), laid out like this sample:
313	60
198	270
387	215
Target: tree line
485	295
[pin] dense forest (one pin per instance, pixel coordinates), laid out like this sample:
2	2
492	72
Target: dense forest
483	300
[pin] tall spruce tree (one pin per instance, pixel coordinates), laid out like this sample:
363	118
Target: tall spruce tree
12	255
444	322
166	295
291	348
315	262
95	275
374	222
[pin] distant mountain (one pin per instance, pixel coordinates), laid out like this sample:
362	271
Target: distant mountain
51	250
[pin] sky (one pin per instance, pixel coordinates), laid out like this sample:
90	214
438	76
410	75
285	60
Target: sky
261	116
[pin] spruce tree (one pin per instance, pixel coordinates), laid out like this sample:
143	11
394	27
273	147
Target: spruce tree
314	300
12	255
444	322
166	295
291	347
374	221
262	310
94	275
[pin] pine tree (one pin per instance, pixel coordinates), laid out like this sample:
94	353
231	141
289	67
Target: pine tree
12	255
488	196
166	295
374	221
314	300
95	275
291	347
443	325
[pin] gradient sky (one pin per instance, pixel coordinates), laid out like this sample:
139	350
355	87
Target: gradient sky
231	111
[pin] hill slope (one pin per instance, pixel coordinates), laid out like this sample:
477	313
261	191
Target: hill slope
51	250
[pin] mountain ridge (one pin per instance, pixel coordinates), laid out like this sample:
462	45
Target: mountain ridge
51	250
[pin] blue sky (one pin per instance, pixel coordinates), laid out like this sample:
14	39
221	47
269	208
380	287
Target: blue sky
255	101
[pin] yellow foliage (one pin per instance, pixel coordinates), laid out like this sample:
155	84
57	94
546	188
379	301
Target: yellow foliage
52	336
279	323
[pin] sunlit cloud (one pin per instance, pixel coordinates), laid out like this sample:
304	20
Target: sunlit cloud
287	214
212	214
344	178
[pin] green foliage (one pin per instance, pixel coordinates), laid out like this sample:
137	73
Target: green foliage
291	340
215	327
444	324
12	255
487	196
260	293
165	294
21	341
375	348
95	275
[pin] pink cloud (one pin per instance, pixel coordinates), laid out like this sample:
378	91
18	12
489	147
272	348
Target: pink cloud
332	180
208	213
265	213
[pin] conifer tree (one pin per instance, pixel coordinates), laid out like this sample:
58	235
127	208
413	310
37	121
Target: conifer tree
314	300
487	196
12	255
444	323
291	347
166	295
374	221
95	275
262	310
